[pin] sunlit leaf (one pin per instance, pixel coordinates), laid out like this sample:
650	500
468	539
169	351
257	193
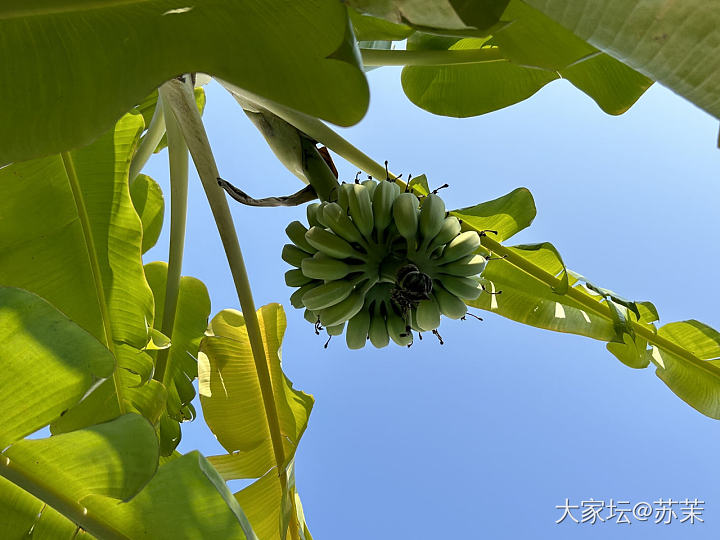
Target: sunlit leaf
147	198
232	400
270	509
191	318
185	499
49	363
22	513
697	382
69	233
114	459
537	50
294	53
674	43
505	215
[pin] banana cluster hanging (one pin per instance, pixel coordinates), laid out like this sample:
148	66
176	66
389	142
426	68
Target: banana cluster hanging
383	262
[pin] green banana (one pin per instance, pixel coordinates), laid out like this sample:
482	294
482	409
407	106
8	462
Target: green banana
371	186
450	305
427	315
460	246
336	329
327	294
320	266
293	255
296	233
405	213
357	330
383	199
342	196
337	220
320	215
464	288
449	229
296	278
361	209
377	332
296	297
311	316
342	311
397	329
471	265
432	216
331	244
311	210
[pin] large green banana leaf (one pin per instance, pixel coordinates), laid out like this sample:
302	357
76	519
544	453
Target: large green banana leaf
234	409
531	284
71	69
69	233
191	319
185	500
537	51
674	43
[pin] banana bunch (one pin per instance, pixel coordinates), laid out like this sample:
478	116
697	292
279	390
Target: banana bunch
380	264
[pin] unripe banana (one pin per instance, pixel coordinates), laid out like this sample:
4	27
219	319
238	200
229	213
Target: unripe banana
449	229
405	213
460	246
320	266
293	255
383	200
463	287
320	215
357	330
340	224
343	198
330	244
296	277
311	317
450	305
336	329
427	315
471	265
311	210
397	329
296	297
296	233
432	216
327	294
378	331
342	311
371	186
361	209
412	316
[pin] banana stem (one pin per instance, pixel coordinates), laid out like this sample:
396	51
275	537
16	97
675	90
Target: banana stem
149	142
396	57
178	158
183	106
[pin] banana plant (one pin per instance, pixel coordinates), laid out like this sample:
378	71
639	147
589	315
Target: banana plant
104	349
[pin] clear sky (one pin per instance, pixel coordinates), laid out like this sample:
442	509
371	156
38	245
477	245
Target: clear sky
484	436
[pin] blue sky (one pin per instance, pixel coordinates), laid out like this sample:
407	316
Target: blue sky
484	436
